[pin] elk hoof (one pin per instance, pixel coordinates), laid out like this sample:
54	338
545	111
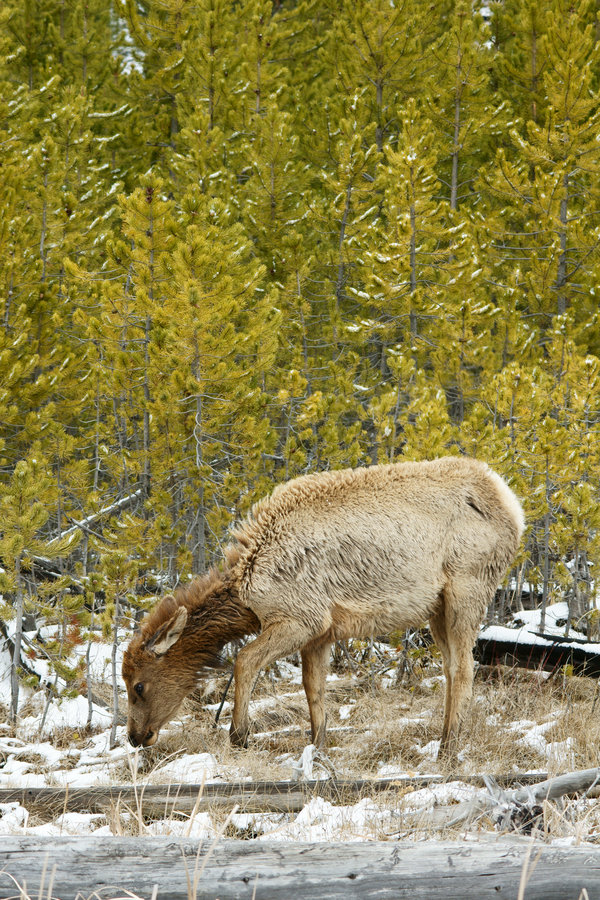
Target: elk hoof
238	738
448	751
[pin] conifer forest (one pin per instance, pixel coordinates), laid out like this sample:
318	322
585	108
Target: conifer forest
241	241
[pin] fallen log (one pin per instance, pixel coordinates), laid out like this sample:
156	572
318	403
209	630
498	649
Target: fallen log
547	653
160	801
518	809
158	867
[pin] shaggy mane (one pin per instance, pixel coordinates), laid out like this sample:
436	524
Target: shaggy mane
203	593
211	599
204	590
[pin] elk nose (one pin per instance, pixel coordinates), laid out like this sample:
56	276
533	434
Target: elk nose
145	741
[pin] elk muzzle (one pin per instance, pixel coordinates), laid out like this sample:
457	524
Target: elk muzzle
145	740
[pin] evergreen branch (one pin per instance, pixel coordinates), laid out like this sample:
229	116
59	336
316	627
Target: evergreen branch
119	505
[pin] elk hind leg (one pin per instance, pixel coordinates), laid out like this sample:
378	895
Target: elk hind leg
437	624
275	641
315	662
455	629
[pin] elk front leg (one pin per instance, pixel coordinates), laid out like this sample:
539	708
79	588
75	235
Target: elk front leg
277	640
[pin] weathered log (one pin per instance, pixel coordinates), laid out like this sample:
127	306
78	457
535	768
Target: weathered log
549	654
553	788
255	796
516	809
117	506
179	869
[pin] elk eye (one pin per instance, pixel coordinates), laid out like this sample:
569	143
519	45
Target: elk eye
139	688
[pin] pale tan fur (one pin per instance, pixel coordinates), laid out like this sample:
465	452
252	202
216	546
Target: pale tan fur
362	552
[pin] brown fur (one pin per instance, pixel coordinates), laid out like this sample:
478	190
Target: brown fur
329	556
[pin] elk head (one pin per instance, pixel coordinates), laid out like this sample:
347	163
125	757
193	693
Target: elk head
158	672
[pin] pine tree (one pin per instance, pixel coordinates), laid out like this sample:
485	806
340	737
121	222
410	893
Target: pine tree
376	49
346	205
31	40
82	43
420	257
60	209
158	29
548	186
271	202
262	79
320	402
208	103
24	503
461	105
542	436
118	572
519	30
130	294
215	364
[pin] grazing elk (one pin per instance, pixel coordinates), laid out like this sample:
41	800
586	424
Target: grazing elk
328	556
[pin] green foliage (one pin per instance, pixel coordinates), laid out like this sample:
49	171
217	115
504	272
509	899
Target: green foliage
25	501
245	241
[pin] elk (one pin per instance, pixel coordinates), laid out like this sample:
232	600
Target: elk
328	556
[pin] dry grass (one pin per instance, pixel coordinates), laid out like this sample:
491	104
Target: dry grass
383	724
392	726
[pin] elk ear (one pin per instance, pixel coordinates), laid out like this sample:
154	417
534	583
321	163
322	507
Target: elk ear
168	634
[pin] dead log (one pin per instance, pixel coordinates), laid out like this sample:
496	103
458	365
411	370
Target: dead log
518	809
553	788
548	653
161	801
160	867
117	506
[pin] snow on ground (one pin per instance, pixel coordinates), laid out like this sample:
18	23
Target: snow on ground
35	758
29	762
527	625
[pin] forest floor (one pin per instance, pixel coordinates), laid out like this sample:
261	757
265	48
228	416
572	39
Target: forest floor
384	709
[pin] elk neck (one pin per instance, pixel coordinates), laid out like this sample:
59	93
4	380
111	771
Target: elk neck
216	616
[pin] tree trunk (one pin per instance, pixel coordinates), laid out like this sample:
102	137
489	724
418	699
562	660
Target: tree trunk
16	655
546	552
113	668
